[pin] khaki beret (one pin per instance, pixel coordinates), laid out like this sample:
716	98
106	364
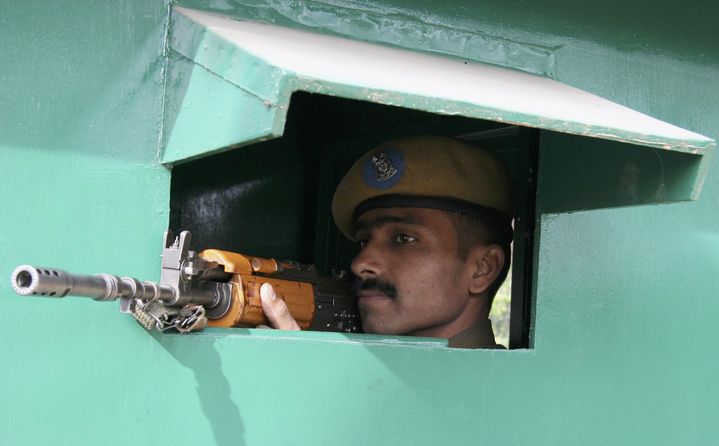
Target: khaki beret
424	171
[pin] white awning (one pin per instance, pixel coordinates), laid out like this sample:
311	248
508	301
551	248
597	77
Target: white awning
267	63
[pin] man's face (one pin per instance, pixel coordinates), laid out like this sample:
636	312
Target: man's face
411	279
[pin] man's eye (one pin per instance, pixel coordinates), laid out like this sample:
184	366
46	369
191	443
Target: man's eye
404	238
362	243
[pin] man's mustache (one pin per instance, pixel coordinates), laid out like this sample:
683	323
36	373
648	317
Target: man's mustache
381	286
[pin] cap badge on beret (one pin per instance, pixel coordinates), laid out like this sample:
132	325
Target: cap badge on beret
384	169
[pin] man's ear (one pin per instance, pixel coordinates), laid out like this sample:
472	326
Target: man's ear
487	263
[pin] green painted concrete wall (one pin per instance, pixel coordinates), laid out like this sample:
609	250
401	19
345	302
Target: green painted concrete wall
624	341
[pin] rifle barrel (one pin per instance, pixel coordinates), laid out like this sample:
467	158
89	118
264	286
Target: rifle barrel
52	282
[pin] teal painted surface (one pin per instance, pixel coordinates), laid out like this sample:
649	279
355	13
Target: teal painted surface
625	328
202	116
79	126
241	94
80	113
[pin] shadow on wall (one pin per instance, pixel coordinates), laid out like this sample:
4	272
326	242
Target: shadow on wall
213	388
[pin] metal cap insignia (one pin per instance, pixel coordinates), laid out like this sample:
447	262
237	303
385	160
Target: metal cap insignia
384	169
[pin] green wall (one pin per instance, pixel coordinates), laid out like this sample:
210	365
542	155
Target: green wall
626	304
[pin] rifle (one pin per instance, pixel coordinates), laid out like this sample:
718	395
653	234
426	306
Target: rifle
213	288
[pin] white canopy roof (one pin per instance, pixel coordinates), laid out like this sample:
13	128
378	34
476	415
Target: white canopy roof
337	66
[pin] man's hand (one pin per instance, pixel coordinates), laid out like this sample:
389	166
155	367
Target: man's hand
276	309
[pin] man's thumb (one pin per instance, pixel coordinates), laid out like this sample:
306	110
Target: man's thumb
276	309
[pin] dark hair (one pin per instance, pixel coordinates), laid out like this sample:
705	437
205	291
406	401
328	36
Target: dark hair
472	231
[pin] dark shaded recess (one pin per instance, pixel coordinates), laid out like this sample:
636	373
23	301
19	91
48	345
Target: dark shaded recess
580	173
272	198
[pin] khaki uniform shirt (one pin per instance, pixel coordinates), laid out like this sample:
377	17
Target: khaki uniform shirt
479	335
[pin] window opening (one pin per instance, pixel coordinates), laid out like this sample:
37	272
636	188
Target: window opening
272	199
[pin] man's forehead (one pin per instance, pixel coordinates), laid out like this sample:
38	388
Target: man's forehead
376	218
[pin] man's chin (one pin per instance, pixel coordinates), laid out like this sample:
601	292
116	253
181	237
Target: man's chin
375	325
378	330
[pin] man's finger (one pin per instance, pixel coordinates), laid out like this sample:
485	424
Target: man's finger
276	309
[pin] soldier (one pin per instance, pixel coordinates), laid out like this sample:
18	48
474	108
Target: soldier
432	216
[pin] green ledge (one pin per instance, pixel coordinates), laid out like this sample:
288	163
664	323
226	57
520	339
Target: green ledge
329	337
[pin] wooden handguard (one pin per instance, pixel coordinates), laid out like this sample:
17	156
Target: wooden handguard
246	307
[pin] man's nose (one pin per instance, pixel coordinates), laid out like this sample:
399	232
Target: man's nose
367	263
